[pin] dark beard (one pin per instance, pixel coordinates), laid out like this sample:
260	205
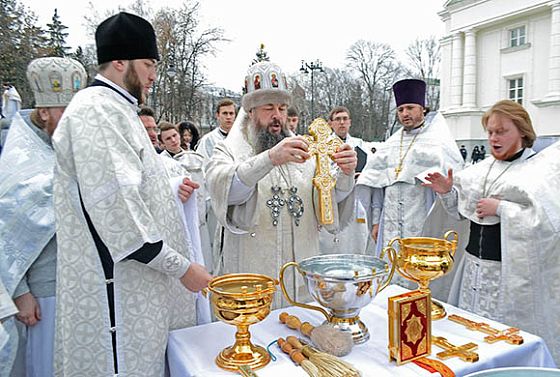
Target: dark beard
266	140
132	83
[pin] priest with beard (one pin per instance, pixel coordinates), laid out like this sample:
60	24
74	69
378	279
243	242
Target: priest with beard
260	182
125	260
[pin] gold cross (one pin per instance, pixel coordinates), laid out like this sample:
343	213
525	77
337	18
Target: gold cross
510	335
323	145
398	170
464	352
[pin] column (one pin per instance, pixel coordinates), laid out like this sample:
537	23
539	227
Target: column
457	70
469	72
554	60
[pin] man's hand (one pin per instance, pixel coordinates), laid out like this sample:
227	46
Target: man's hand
196	277
29	311
290	149
186	189
487	207
439	183
346	159
375	232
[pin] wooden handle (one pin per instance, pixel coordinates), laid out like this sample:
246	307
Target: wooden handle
306	329
294	342
296	356
291	321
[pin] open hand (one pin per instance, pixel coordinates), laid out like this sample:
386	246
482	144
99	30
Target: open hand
439	183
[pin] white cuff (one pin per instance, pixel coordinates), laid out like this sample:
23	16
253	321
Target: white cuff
170	262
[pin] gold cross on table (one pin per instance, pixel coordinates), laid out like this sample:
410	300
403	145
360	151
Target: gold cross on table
510	335
464	352
323	145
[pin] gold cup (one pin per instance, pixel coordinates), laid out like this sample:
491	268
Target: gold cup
421	259
242	300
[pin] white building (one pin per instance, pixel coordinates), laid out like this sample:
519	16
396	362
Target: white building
499	49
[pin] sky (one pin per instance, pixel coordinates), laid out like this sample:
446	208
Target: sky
291	30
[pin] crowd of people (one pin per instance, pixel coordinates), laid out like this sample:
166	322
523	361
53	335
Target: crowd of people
111	222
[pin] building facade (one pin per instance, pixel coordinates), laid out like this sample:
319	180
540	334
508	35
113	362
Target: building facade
500	49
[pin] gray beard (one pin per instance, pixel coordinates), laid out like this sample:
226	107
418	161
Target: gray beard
266	140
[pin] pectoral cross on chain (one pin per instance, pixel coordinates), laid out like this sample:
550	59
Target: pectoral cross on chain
323	145
464	352
510	335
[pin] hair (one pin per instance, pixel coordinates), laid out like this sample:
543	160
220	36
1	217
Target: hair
165	126
518	115
194	132
225	102
102	67
36	119
146	111
292	112
339	109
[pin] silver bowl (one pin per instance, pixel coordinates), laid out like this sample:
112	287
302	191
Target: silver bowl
343	284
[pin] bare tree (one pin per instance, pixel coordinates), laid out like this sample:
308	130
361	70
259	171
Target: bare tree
424	59
182	46
376	66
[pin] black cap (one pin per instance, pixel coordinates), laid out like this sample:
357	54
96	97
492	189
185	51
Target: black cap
410	91
125	36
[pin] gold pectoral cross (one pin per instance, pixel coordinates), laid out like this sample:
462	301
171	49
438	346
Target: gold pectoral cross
323	145
398	170
464	352
510	335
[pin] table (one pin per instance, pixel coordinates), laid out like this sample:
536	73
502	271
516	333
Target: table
191	351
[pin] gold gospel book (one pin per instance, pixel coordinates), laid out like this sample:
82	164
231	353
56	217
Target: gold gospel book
410	326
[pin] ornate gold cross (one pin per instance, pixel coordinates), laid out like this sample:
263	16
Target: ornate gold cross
510	335
464	352
323	145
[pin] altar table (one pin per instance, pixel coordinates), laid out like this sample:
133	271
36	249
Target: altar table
191	352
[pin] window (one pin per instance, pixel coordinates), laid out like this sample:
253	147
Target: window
517	36
516	90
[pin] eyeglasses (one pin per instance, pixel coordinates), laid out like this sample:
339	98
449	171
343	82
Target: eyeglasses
341	119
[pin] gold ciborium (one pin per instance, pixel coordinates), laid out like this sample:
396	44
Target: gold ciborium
422	259
242	300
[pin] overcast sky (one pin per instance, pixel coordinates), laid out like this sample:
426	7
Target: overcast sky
291	30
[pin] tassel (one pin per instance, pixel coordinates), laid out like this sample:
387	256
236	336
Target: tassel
328	365
298	358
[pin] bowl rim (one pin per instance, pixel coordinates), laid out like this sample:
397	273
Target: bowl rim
382	272
265	291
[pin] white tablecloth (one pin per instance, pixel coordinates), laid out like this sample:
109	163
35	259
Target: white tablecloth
191	352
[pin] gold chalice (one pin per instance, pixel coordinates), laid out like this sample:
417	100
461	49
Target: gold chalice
242	300
421	259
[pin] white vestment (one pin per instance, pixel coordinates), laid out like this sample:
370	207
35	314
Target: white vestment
27	231
7	309
406	204
205	147
193	163
523	290
105	159
251	242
